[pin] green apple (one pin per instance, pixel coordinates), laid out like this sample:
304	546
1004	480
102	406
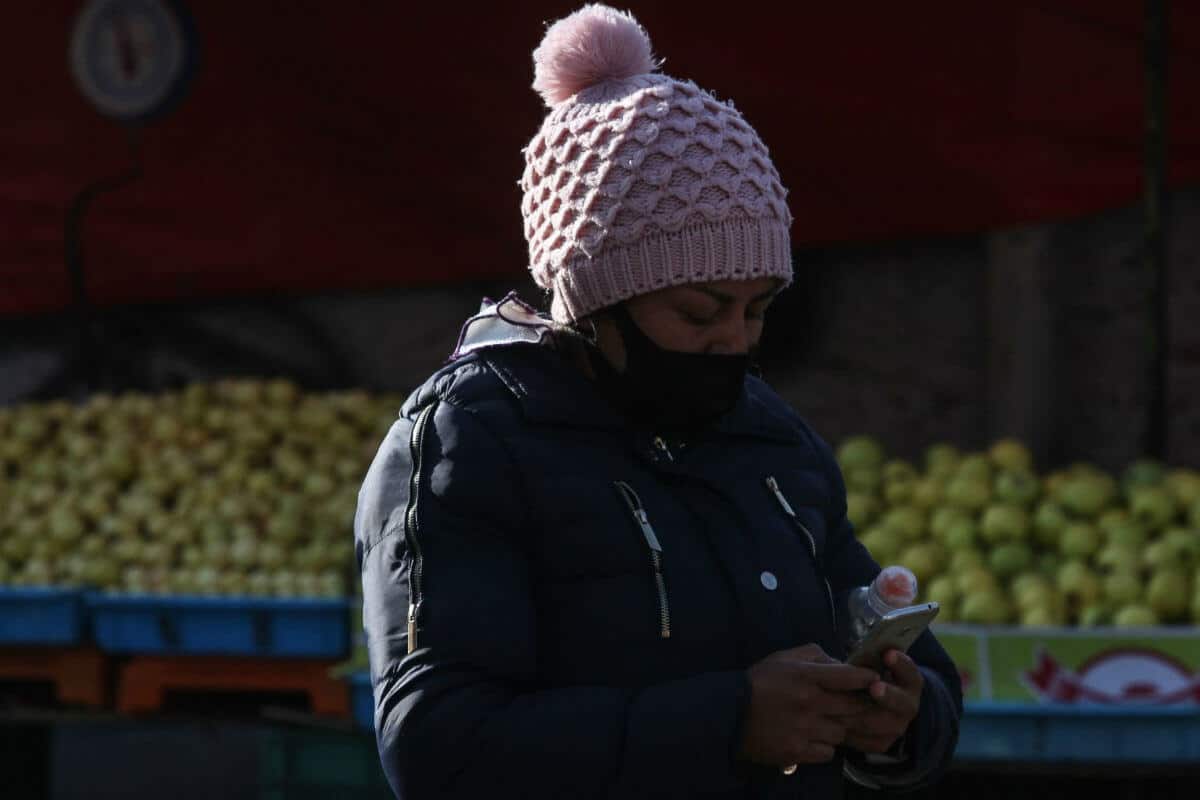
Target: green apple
967	493
1010	558
907	522
941	518
965	559
1152	506
899	470
318	484
1049	520
1003	523
271	556
284	583
984	606
1016	487
1127	533
898	492
863	479
925	560
976	579
243	553
207	581
1009	454
1160	554
1119	558
1185	542
961	534
882	543
233	584
1079	541
258	584
1122	588
1027	581
1112	518
941	460
1184	485
861	508
976	466
1040	616
1076	581
1086	495
927	493
65	526
1168	594
860	451
1034	595
1143	472
1136	616
942	590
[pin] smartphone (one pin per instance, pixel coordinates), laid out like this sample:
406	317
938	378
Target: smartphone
896	630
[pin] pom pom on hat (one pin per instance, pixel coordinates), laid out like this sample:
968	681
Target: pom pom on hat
595	44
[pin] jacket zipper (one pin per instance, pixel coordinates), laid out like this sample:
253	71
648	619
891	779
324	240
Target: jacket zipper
416	445
773	485
643	522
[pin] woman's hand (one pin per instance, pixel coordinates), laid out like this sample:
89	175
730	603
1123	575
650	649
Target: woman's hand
801	703
895	705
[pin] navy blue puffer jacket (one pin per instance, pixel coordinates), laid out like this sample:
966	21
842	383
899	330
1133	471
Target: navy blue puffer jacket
559	605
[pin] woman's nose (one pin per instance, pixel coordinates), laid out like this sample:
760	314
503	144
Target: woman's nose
731	339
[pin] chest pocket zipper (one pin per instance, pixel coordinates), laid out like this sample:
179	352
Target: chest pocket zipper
773	486
416	444
638	511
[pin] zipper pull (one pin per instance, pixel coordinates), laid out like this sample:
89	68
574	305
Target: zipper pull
773	485
412	627
639	515
661	446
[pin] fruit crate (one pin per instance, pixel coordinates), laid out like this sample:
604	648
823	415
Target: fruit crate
362	700
41	616
1018	732
296	628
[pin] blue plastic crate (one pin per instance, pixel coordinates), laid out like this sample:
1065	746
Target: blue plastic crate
41	616
299	628
1083	734
362	700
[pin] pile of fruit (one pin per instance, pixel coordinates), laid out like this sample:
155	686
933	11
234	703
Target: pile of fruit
995	543
238	487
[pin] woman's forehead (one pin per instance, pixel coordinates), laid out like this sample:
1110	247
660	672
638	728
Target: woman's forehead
726	291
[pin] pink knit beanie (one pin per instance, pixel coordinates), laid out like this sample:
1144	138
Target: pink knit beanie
638	181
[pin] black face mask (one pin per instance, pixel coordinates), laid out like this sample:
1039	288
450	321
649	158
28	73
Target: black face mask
668	389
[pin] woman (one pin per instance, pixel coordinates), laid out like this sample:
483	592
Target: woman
598	559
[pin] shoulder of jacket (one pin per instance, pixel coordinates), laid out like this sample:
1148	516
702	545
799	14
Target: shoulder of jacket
468	383
770	400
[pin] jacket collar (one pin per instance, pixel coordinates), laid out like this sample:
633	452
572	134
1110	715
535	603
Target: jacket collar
517	343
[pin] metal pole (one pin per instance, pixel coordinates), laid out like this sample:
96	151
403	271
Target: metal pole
1156	208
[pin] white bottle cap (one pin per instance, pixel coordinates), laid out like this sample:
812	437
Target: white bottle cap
896	586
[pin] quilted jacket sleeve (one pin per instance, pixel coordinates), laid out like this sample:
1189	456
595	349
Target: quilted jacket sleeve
933	735
459	711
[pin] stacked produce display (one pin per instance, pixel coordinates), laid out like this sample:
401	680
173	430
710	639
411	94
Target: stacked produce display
235	488
994	542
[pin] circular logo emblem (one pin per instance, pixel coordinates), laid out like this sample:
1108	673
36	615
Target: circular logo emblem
132	58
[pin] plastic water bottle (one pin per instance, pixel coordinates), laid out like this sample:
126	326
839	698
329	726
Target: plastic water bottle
895	587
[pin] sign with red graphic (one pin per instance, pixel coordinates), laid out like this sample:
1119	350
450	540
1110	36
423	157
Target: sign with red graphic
1115	676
